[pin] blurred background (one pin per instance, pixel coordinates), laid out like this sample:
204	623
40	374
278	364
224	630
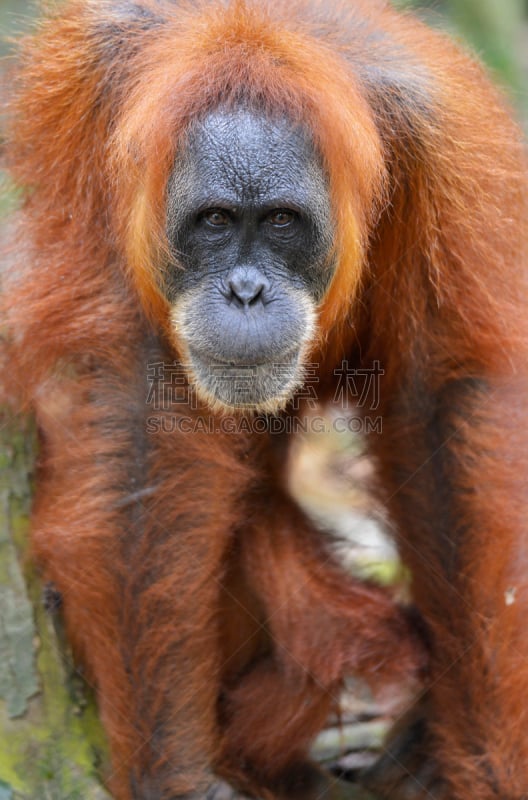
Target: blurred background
497	30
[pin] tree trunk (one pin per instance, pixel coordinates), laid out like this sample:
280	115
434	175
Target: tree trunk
51	744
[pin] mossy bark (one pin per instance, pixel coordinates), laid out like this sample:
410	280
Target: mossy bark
51	743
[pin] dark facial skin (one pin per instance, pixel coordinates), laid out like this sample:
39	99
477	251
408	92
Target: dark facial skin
249	222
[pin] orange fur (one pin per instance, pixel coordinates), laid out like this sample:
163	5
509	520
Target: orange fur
206	609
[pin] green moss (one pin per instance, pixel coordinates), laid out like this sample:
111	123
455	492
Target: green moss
51	742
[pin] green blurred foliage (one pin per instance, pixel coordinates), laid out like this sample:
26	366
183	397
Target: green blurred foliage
496	30
14	18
